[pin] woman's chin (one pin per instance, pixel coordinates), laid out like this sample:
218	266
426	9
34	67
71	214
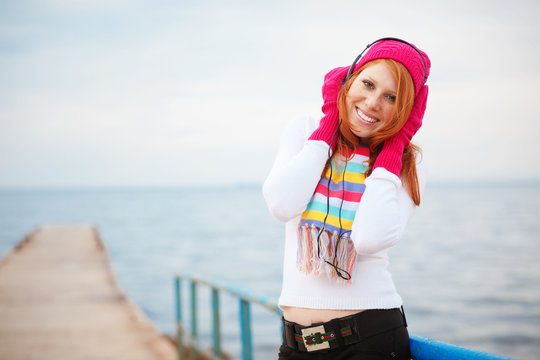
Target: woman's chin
364	136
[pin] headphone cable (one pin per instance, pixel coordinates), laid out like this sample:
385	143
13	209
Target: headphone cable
339	271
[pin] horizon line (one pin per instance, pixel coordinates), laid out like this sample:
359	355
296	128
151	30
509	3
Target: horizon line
524	182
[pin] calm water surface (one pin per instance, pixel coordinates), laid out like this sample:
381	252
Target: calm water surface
467	268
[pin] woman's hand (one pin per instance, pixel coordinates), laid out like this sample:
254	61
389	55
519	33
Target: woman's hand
333	81
392	151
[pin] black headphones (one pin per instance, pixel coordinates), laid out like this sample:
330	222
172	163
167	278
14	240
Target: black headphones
351	69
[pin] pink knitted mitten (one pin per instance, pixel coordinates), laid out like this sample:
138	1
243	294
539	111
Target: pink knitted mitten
330	121
392	151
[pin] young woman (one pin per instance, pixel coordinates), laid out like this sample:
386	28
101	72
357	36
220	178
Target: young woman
346	186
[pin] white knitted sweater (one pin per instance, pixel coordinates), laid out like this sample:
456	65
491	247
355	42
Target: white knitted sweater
380	221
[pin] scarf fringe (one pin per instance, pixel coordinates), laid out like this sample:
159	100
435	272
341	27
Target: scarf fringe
311	254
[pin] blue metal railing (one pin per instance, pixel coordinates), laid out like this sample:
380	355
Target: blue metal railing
245	297
421	348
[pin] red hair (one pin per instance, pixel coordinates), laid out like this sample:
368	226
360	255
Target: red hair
402	109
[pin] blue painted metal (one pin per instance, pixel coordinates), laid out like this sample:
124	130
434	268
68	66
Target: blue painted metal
245	330
216	329
178	299
179	328
250	295
193	291
421	348
430	349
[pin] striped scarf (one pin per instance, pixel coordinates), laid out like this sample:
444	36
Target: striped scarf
324	242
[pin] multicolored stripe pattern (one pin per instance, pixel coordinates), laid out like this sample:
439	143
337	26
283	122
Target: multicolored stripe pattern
336	201
346	190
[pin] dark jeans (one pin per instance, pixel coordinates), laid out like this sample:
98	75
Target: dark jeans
392	344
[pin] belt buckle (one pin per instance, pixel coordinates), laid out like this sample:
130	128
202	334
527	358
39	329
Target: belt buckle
315	338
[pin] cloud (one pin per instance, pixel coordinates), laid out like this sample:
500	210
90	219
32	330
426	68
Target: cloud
142	90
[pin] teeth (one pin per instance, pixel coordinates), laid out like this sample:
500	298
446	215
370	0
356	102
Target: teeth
366	118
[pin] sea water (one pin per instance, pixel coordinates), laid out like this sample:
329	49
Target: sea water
467	268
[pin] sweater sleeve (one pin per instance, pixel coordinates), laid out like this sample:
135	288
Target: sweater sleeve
384	211
296	170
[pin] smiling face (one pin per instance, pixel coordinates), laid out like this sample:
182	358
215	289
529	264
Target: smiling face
370	101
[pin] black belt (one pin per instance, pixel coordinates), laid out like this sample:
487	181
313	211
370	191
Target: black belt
342	331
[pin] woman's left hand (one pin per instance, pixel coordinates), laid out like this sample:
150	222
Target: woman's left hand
390	156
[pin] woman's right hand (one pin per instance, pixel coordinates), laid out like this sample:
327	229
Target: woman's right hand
333	81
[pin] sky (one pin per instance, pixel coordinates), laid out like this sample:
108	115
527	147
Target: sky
173	93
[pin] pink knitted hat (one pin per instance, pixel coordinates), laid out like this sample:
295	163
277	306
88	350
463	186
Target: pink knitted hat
403	53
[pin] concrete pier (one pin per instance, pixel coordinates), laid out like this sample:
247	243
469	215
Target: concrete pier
59	300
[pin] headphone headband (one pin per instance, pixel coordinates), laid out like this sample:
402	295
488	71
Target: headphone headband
351	69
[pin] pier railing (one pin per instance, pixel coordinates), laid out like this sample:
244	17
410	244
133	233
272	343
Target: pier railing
421	348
